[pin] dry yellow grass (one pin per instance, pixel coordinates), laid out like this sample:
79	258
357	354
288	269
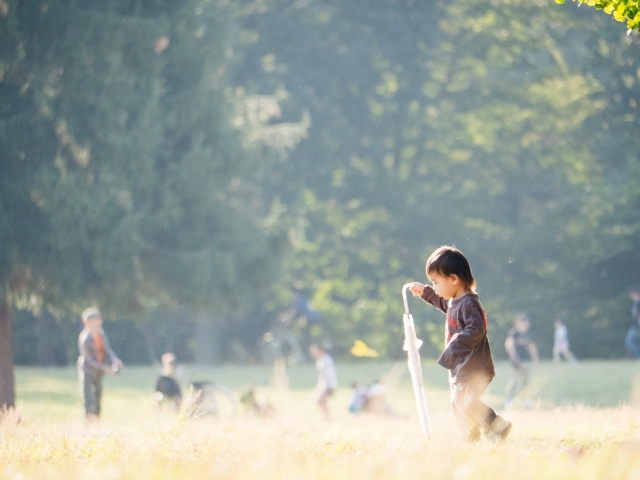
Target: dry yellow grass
568	442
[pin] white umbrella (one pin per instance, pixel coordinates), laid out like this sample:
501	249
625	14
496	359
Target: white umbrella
411	345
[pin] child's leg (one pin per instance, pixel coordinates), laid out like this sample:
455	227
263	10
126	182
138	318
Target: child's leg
570	356
469	411
518	381
88	395
323	402
511	385
98	390
461	420
92	392
525	369
631	342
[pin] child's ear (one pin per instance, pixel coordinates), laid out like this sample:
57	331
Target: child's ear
455	279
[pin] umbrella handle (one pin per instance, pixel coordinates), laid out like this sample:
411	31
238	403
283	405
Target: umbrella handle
404	295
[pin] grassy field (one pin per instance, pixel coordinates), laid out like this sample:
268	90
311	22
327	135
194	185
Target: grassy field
574	422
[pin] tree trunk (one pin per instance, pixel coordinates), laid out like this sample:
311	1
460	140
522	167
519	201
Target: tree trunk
208	339
7	383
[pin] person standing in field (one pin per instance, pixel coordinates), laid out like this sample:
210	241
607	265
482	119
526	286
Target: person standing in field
467	354
96	358
327	377
523	351
561	343
632	339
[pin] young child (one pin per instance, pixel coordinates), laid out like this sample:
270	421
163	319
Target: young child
96	358
561	343
327	377
523	352
467	354
167	387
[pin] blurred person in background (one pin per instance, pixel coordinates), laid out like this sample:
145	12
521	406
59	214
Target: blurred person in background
370	400
96	358
561	343
359	398
327	377
377	400
167	387
523	351
632	339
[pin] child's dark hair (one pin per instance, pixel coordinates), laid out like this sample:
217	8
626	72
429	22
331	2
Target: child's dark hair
449	261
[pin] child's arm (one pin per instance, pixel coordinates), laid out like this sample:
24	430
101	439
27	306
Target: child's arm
462	343
430	296
111	357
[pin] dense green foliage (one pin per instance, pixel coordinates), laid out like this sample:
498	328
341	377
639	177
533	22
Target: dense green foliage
622	10
124	181
136	186
509	129
150	156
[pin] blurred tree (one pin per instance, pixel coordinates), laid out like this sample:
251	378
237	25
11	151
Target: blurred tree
554	170
470	123
122	172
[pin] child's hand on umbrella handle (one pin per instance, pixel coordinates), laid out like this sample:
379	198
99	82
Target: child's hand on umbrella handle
417	289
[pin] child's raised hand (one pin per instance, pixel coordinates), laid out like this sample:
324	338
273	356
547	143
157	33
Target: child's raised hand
417	289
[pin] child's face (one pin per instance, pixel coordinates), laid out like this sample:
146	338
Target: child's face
94	324
446	287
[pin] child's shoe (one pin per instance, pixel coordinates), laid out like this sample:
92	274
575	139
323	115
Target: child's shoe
499	430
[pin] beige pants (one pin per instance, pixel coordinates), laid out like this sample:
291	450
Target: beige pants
470	413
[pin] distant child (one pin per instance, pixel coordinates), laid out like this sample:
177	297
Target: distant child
167	388
522	351
377	400
359	398
327	377
467	354
96	358
370	400
561	343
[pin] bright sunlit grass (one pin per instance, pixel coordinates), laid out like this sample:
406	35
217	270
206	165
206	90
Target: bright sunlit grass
583	423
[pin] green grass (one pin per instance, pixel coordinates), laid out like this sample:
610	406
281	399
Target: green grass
583	423
52	394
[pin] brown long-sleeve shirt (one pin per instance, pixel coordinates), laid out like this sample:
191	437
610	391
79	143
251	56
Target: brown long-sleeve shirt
467	354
